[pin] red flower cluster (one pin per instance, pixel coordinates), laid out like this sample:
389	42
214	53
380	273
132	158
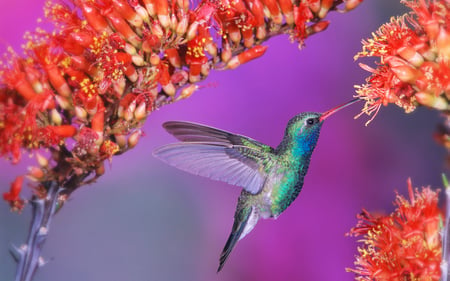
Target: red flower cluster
92	81
405	245
414	65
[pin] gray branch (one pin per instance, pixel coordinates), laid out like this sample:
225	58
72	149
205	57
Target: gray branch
28	256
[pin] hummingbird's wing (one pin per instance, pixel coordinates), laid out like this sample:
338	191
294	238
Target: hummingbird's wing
217	154
193	132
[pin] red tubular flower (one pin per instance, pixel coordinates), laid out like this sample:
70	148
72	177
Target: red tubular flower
54	135
15	78
127	12
404	245
84	90
12	197
93	16
413	53
49	60
287	8
173	57
108	64
302	14
246	56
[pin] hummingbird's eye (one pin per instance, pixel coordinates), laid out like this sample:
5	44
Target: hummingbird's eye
310	121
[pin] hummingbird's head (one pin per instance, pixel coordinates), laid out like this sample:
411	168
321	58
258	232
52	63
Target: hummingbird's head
304	129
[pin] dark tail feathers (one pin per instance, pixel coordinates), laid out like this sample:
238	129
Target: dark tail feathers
240	221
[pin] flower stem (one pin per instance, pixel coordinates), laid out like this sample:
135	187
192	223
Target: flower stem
28	256
446	233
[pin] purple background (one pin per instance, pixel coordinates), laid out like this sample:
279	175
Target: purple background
146	221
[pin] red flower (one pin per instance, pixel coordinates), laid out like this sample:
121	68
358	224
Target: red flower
414	55
84	90
12	197
404	245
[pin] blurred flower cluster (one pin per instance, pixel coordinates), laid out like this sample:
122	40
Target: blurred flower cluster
405	245
81	93
414	60
413	69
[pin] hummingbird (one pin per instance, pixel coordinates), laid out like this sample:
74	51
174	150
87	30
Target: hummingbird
271	178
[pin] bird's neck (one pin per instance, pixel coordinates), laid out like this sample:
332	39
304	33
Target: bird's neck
296	149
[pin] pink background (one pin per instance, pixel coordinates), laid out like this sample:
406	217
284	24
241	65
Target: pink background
147	221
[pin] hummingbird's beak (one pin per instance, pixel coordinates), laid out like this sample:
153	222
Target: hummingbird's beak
330	112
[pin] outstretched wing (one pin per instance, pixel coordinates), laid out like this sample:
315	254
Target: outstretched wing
193	132
217	154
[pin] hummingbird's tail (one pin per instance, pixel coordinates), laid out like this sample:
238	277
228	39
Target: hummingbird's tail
244	221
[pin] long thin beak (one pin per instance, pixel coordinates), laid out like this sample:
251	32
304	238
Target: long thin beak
330	112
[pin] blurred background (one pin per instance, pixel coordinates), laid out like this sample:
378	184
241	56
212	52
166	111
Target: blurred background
144	220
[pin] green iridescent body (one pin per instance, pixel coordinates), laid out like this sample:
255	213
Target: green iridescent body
271	178
286	167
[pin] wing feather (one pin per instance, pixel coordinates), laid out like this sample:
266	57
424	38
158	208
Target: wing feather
217	154
193	132
215	161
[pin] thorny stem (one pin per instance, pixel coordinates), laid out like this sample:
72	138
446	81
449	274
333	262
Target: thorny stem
28	256
446	233
44	206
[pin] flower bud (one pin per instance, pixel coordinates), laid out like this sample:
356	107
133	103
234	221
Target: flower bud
317	27
174	57
443	44
226	52
43	162
182	25
35	173
205	69
119	85
142	12
173	22
55	117
63	102
155	59
192	31
410	55
261	32
351	4
141	111
134	138
121	140
406	73
150	6
130	49
235	34
431	100
157	30
325	6
128	114
431	27
211	48
138	60
80	113
100	170
187	91
183	4
169	89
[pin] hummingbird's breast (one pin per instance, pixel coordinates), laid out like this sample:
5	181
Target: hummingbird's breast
281	187
285	185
